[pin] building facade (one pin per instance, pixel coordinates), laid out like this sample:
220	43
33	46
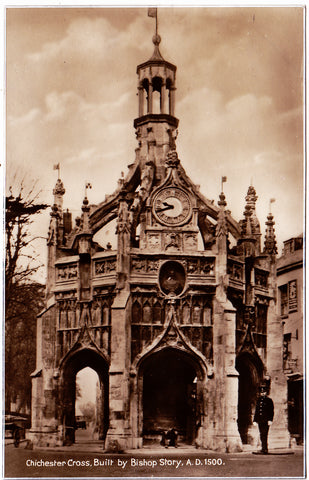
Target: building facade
180	335
290	305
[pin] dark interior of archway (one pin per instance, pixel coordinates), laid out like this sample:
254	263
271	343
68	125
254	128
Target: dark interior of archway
248	383
82	359
169	394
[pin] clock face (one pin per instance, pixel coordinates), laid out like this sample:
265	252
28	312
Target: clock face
172	206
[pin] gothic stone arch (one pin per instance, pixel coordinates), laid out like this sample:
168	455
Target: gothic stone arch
71	365
168	391
250	368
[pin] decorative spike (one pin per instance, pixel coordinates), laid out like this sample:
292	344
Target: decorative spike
221	228
270	243
222	202
58	193
250	224
59	189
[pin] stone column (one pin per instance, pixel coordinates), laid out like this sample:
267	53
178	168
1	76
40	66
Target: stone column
172	101
226	437
162	98
278	432
149	106
233	441
119	435
44	422
140	101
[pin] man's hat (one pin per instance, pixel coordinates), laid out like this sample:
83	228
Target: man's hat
263	387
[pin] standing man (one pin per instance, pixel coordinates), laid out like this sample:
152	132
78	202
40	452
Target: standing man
264	414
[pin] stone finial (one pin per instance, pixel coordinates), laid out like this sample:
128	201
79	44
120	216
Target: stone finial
221	228
156	40
250	225
123	221
251	197
270	243
85	206
246	222
121	180
59	189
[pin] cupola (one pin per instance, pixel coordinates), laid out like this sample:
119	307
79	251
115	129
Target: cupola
156	124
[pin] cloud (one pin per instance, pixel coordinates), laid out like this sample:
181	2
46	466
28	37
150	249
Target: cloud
72	98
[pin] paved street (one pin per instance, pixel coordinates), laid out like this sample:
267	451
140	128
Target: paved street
183	462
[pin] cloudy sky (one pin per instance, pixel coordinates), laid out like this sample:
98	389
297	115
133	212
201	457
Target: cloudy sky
71	98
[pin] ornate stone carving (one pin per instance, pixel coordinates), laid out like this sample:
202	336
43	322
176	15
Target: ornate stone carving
207	266
172	159
104	267
249	316
190	241
261	278
152	266
59	188
172	241
192	266
235	271
138	265
67	272
154	241
123	215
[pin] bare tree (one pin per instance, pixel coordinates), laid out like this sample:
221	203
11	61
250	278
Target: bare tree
23	296
88	411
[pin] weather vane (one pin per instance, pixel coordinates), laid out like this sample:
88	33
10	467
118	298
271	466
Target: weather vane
272	200
57	167
153	12
87	185
223	180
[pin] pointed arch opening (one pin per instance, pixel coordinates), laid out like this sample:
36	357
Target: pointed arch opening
157	96
67	411
87	409
250	369
171	395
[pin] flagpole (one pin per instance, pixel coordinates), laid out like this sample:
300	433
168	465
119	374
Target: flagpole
223	180
156	22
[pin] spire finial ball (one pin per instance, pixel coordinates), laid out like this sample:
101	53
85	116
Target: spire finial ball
156	39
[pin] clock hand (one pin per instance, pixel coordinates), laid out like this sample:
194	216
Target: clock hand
167	207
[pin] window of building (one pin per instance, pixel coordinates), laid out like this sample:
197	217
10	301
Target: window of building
284	299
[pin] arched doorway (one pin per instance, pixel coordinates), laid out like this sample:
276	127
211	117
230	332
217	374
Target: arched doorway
171	394
250	369
77	361
87	405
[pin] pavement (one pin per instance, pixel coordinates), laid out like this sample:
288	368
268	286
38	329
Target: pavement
89	460
84	444
86	458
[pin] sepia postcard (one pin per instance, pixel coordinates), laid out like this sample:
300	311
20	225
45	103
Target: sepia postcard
154	241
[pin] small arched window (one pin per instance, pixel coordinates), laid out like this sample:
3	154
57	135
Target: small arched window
157	95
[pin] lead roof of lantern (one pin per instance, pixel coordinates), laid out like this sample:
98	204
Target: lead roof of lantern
156	58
